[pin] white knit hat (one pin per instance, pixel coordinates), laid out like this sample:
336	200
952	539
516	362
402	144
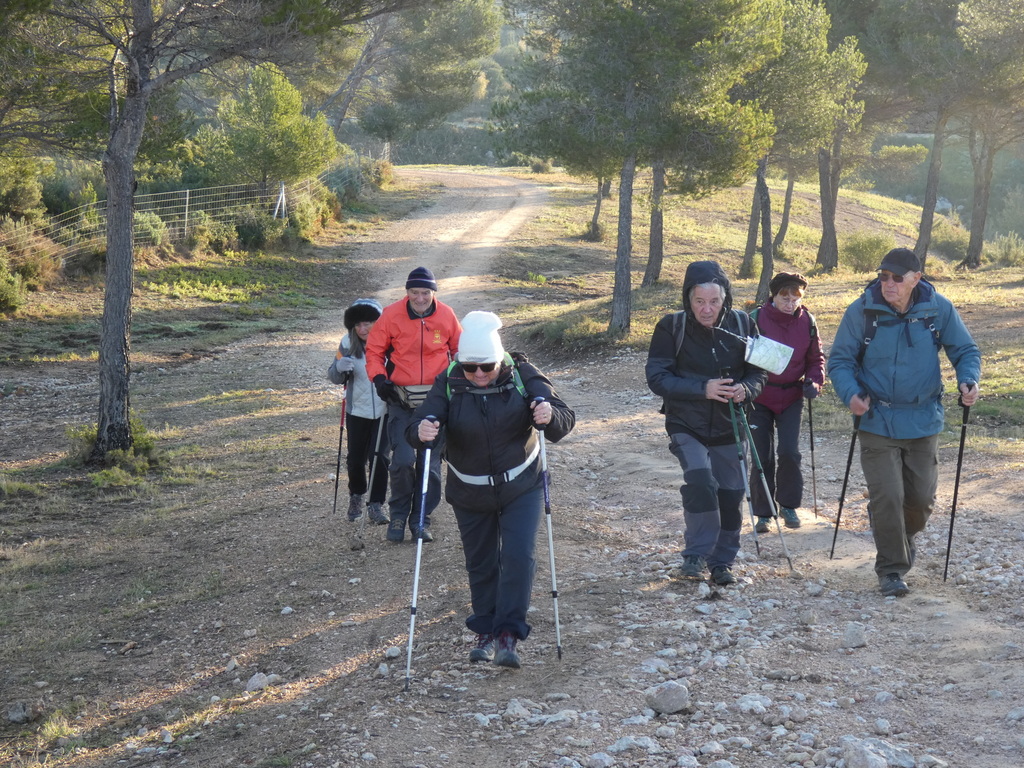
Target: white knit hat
479	342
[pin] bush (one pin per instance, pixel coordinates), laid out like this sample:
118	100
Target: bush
12	291
150	229
949	239
142	456
257	229
308	216
541	166
207	233
1010	216
1006	251
30	254
861	251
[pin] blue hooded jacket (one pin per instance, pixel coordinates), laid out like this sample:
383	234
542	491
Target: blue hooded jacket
900	368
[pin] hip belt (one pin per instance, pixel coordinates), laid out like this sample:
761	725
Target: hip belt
504	477
412	395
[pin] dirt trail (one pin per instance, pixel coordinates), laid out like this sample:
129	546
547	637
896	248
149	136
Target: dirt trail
268	584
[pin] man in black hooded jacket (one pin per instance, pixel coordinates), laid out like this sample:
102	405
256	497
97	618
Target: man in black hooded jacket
696	362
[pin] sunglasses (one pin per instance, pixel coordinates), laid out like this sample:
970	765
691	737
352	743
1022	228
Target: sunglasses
885	277
473	367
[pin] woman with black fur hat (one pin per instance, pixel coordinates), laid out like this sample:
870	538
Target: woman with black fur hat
366	414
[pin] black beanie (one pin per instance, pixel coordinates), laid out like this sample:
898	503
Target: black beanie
421	277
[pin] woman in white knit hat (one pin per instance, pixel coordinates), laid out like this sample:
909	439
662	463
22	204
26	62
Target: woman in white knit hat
487	402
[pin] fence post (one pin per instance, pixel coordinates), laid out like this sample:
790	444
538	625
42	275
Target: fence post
184	234
280	206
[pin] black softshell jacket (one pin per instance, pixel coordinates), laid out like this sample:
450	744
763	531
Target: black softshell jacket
488	434
684	355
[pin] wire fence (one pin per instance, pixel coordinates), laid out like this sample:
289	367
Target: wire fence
83	230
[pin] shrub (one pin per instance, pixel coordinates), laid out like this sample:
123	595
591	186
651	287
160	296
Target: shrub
150	229
257	229
1006	251
142	456
949	239
540	166
1010	216
207	233
861	251
12	291
30	254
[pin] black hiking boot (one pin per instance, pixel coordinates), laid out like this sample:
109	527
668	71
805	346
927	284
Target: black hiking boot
893	586
355	506
722	575
422	533
692	567
484	650
763	525
505	655
376	513
396	529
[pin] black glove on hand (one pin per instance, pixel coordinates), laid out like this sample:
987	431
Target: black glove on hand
810	389
386	389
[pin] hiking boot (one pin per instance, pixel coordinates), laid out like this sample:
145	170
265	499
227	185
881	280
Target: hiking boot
396	530
422	533
376	514
505	654
722	575
893	586
692	567
355	506
763	525
484	650
790	517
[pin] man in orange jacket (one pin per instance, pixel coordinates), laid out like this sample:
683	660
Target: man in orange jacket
412	342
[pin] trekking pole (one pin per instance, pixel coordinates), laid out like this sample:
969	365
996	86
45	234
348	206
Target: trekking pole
551	538
337	468
814	476
419	556
764	484
956	483
846	477
743	470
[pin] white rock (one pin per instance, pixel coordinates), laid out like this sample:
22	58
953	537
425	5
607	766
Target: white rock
668	697
854	635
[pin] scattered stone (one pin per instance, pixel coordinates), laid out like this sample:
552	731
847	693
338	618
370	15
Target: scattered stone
668	697
854	635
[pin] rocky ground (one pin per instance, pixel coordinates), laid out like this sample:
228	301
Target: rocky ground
230	623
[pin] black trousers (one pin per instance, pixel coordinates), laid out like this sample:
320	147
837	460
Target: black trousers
362	439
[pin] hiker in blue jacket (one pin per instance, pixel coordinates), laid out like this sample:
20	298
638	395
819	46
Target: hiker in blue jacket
884	364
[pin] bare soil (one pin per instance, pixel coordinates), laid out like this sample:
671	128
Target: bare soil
137	620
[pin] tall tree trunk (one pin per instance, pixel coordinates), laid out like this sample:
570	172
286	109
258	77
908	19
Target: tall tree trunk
787	207
767	256
747	265
931	187
656	242
127	123
982	158
622	292
368	58
595	222
828	247
606	190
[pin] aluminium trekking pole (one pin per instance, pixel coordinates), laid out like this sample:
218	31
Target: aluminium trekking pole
551	538
743	470
764	484
846	477
814	476
419	556
337	468
956	483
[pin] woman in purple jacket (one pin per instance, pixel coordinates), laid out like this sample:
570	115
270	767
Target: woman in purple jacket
779	406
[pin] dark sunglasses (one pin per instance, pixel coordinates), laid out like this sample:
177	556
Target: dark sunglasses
472	367
885	277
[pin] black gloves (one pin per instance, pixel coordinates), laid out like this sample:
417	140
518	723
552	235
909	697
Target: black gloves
810	389
386	389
